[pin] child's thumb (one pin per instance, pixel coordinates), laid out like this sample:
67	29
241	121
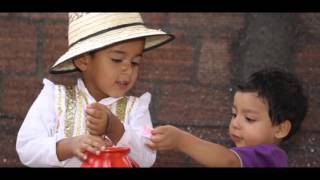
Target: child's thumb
158	130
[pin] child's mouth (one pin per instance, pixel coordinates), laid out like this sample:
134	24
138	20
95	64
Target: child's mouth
235	138
123	84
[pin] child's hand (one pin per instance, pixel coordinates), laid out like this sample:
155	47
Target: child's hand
81	144
147	131
97	118
164	138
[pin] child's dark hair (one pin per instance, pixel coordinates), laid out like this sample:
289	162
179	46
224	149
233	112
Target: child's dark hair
283	93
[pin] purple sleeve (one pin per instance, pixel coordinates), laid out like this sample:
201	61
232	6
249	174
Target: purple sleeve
265	155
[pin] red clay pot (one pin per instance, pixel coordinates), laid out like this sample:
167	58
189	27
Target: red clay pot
112	157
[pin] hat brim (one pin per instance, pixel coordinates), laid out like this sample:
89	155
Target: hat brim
154	38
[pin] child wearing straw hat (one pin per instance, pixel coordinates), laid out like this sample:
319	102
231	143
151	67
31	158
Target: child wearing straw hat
66	121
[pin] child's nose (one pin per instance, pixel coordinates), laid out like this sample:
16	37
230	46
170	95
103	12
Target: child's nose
126	67
235	123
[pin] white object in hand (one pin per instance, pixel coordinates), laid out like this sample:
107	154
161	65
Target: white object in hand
147	131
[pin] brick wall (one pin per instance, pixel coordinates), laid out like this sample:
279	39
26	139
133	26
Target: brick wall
191	79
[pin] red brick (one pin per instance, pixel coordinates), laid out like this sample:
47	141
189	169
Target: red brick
225	22
304	157
183	38
154	20
310	138
309	23
44	16
166	63
214	62
303	150
170	159
311	121
8	131
4	14
19	94
300	159
308	50
18	46
216	134
55	43
188	105
305	64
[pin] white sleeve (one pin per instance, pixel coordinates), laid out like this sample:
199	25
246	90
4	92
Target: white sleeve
134	126
36	140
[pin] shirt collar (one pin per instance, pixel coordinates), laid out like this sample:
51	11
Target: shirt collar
104	101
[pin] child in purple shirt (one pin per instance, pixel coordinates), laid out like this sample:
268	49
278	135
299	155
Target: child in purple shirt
267	109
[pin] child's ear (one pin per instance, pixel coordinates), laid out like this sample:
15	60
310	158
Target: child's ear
82	62
283	129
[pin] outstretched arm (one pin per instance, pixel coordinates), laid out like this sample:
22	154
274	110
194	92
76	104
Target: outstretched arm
205	152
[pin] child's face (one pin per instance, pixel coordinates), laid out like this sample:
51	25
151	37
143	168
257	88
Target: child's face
114	70
250	123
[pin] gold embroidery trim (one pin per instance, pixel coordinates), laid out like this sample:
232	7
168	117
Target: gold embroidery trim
121	108
70	111
84	96
59	99
132	103
59	107
79	111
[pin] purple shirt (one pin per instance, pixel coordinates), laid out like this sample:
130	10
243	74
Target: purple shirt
264	155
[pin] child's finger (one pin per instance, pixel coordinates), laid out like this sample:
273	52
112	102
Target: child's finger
147	131
91	141
150	144
157	130
96	113
94	129
86	140
92	121
81	155
98	106
93	105
99	141
80	152
91	127
156	138
97	145
93	132
93	150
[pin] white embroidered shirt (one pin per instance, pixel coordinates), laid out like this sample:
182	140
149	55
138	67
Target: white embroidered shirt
47	122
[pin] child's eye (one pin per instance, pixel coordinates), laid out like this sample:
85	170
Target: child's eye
135	63
117	60
233	115
250	120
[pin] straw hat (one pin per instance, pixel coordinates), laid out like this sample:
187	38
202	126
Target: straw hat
92	31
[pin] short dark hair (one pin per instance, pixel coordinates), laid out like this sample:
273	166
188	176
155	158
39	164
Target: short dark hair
283	93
